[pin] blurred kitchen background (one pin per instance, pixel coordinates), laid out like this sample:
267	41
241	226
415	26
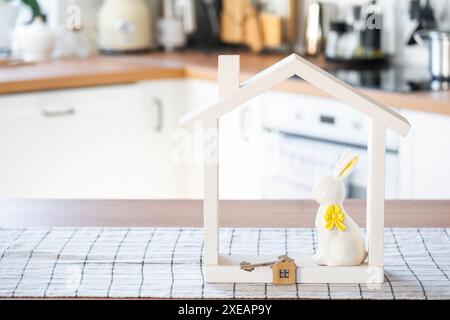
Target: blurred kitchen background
92	91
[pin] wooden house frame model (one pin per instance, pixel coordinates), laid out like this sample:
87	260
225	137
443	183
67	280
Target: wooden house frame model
232	94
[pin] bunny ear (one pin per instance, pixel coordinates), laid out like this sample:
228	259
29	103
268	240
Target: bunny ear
345	165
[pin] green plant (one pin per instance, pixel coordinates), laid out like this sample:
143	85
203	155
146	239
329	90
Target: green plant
34	6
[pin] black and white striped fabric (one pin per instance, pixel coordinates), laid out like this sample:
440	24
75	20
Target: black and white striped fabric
167	263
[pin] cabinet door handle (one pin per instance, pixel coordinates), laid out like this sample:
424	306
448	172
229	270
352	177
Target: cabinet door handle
58	113
159	114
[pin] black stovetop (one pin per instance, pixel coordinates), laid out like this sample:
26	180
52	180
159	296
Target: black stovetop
390	78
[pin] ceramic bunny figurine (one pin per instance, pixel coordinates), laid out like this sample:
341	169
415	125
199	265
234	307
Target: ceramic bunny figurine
341	242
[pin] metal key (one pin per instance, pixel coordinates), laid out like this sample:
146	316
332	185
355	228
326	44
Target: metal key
247	266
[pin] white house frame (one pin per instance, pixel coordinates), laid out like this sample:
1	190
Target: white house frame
218	268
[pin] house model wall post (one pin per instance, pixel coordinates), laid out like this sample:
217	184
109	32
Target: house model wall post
228	81
375	194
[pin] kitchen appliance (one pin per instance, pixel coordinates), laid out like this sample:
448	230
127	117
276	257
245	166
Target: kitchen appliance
425	17
337	42
354	33
311	136
124	26
344	32
438	52
371	34
206	33
392	78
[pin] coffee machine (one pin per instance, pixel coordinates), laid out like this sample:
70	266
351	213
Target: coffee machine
200	21
345	32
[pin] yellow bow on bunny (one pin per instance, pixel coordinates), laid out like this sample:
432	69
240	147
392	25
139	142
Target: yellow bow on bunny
334	217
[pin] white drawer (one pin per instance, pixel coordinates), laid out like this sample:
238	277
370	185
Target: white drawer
65	102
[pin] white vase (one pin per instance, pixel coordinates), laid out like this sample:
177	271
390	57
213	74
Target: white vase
8	16
35	41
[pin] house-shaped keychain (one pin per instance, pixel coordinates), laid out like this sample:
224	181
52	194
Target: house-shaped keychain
284	271
225	268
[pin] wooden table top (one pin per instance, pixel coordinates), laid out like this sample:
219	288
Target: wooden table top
104	70
188	213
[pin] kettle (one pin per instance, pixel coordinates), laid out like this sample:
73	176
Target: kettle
124	26
438	50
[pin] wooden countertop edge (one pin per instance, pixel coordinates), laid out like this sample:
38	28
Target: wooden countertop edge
188	213
83	80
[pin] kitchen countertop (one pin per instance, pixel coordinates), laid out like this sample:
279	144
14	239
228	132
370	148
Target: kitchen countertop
189	213
104	70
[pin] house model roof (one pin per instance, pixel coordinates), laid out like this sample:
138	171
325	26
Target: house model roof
296	65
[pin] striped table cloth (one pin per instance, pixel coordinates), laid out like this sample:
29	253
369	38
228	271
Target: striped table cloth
166	263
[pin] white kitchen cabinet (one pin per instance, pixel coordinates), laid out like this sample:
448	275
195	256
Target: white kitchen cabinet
163	103
425	157
120	142
104	142
59	144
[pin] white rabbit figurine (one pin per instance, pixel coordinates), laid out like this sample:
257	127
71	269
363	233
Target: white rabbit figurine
341	241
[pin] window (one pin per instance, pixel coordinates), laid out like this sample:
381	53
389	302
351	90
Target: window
284	273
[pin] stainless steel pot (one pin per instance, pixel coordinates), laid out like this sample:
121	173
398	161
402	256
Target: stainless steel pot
439	52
